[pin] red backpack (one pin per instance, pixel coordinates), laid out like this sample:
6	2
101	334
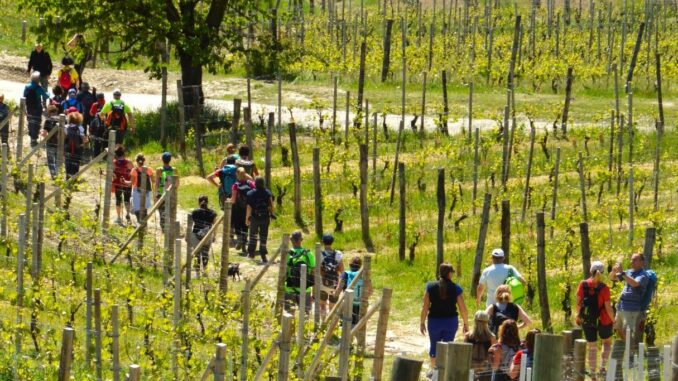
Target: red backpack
65	80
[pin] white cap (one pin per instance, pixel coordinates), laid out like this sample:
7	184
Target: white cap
597	266
498	253
35	76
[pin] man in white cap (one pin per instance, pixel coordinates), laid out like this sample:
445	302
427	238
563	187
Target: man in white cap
494	276
118	116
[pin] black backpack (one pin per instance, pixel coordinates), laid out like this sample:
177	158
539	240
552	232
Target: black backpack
241	199
498	317
73	140
148	180
296	259
328	269
261	207
590	312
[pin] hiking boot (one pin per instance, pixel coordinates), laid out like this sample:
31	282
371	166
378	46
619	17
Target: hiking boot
34	143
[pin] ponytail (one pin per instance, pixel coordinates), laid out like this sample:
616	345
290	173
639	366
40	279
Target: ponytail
444	272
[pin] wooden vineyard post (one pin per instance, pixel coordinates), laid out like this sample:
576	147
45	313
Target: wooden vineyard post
197	129
480	247
579	359
541	274
245	329
302	310
610	157
285	347
506	229
247	111
345	346
548	353
582	187
528	172
347	118
279	107
219	371
374	152
164	57
89	303
648	246
177	282
225	244
317	195
134	373
115	343
280	294
405	369
387	50
237	103
361	77
97	333
505	147
422	129
297	175
364	305
334	109
35	244
620	141
632	195
29	200
458	362
568	99
317	283
440	232
554	196
269	140
3	178
109	181
182	118
655	174
674	359
364	209
380	340
441	359
470	111
20	131
476	144
21	252
402	211
66	354
585	249
189	250
61	140
446	108
660	103
167	229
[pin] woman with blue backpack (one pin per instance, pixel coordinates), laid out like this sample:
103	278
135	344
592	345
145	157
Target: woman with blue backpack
346	279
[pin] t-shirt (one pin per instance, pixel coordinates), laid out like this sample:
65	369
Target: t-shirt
494	276
108	106
631	297
203	219
603	296
443	308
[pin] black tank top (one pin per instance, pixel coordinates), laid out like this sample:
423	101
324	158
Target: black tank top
442	308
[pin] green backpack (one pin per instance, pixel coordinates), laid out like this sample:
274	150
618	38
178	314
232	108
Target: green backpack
516	286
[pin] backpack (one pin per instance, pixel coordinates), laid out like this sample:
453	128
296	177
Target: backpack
498	317
116	117
516	286
241	199
261	208
297	258
148	180
65	80
73	139
328	269
590	311
649	290
32	98
164	174
357	288
50	124
227	178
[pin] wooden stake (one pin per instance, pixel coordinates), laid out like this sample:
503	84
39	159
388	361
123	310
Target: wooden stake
476	162
347	118
405	369
280	295
579	360
20	132
387	50
3	194
182	119
269	138
225	244
66	354
21	253
317	195
458	361
506	229
134	373
220	363
297	175
585	249
334	109
582	187
60	160
480	247
89	302
541	279
109	181
528	172
380	340
548	353
285	347
317	284
364	211
554	197
245	330
345	345
115	346
402	212
97	334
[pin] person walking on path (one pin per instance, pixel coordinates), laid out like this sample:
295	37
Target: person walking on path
35	96
162	183
75	139
482	339
629	308
97	128
359	287
245	161
595	315
122	182
203	219
331	267
51	122
503	309
501	353
4	121
118	116
443	302
42	62
135	179
227	177
258	217
230	152
495	275
239	190
298	256
86	100
67	77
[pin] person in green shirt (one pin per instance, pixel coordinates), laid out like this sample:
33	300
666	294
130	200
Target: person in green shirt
296	257
162	180
117	115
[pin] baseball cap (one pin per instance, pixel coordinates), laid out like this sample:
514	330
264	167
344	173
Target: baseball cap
498	253
328	238
166	156
597	266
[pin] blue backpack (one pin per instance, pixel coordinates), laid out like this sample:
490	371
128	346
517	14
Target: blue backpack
649	290
357	288
227	178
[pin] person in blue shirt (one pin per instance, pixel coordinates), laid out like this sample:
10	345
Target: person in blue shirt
35	96
629	310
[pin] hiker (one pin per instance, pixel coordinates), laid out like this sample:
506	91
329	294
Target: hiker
122	181
51	122
258	217
67	77
4	121
359	287
443	302
35	96
227	177
135	180
503	309
97	128
245	161
595	315
86	100
203	219
75	139
296	257
71	101
163	175
495	275
482	339
42	62
230	152
239	190
501	353
331	267
80	50
630	309
117	116
527	351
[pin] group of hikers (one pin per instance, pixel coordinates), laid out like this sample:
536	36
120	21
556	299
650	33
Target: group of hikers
497	347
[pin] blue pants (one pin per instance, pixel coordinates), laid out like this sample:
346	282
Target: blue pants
441	329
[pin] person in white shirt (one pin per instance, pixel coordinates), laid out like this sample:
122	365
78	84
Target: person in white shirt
494	276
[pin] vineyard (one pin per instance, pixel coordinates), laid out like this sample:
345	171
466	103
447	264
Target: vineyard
418	132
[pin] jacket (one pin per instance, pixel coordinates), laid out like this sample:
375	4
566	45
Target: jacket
40	62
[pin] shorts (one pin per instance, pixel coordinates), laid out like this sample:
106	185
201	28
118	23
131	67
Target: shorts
441	329
325	295
136	200
121	193
592	333
628	319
